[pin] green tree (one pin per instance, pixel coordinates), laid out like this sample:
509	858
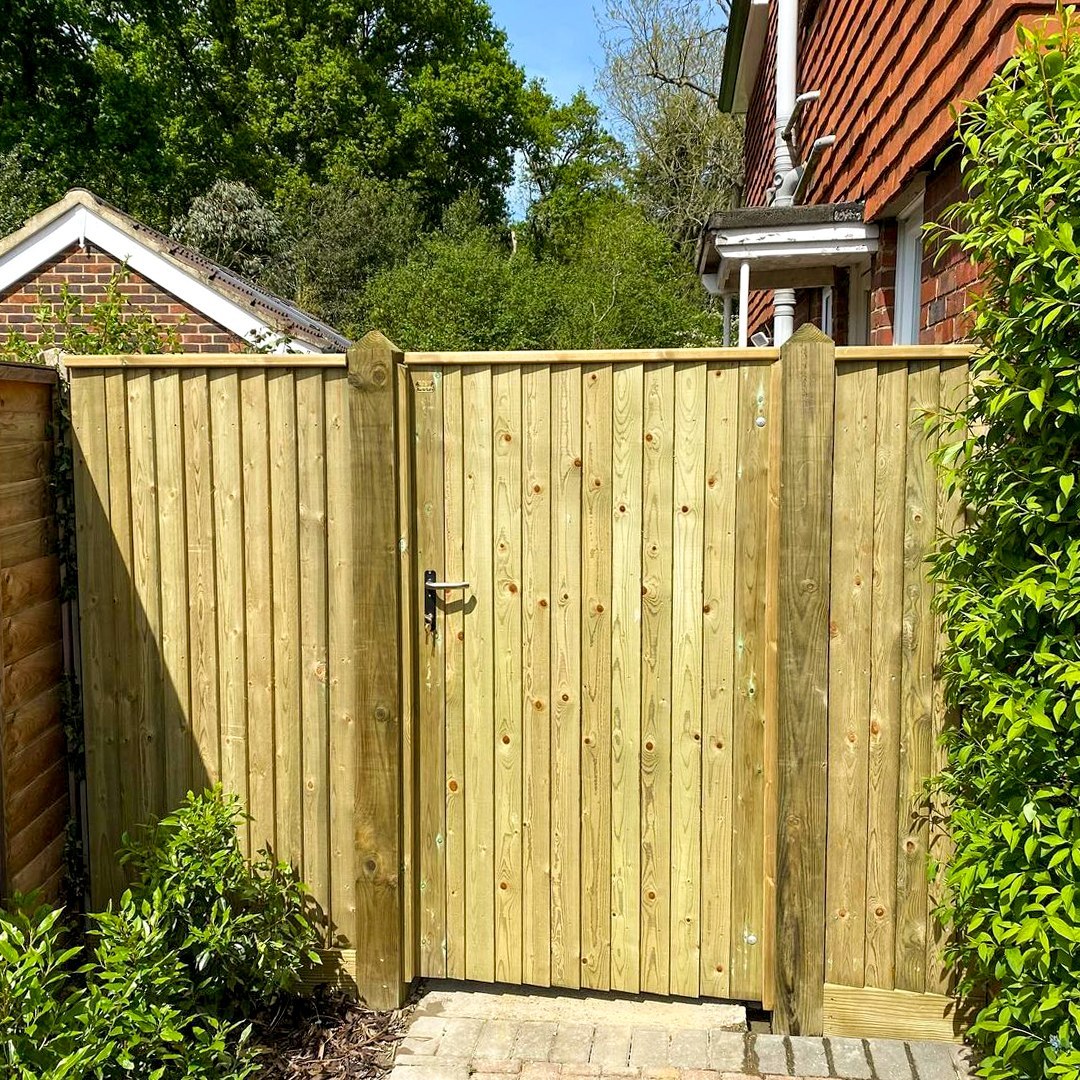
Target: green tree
465	287
1009	587
663	61
172	95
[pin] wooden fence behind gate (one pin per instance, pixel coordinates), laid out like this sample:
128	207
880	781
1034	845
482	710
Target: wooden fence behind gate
735	663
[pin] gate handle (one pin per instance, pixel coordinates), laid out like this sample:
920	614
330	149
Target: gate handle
430	607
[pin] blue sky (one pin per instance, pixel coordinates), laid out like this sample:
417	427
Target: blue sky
554	40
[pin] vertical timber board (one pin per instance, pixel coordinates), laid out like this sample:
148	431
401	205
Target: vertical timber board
951	520
285	574
808	361
757	414
454	617
506	508
721	442
127	675
201	561
849	670
566	483
146	579
407	632
596	577
479	678
259	607
180	771
90	421
426	390
536	676
917	683
314	696
343	579
658	424
627	419
883	749
379	890
691	381
229	530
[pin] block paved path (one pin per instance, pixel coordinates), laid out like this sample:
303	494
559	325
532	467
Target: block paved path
495	1033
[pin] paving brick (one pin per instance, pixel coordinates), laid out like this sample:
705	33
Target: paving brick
415	1046
429	1027
611	1047
849	1059
496	1040
539	1070
580	1069
699	1074
534	1039
431	1069
890	1059
459	1037
727	1051
689	1049
664	1073
572	1044
621	1073
495	1067
737	1076
933	1061
809	1057
648	1047
771	1051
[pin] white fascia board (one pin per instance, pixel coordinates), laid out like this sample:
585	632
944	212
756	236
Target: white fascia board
800	246
80	225
753	48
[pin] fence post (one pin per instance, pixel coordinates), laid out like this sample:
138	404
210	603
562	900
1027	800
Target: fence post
380	927
808	378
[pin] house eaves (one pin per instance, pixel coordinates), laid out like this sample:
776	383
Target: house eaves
245	309
748	27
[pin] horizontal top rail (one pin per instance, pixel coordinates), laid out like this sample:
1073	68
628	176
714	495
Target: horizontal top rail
844	354
207	360
22	372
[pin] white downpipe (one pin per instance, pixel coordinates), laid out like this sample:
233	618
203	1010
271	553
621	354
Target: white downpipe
744	304
727	320
783	315
787	63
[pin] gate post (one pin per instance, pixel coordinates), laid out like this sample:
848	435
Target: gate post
808	378
380	886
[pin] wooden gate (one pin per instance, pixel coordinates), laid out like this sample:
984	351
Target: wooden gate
592	707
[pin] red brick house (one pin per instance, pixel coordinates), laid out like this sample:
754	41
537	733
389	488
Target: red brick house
82	242
847	109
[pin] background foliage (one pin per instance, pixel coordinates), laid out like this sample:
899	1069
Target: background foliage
1010	587
320	149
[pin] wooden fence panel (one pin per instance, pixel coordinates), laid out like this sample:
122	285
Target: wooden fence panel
589	592
591	773
35	653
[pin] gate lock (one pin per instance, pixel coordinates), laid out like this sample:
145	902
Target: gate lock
431	588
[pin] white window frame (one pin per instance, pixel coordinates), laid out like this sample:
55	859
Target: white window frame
859	305
907	309
827	310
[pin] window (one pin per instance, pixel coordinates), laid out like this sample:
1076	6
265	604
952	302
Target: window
909	259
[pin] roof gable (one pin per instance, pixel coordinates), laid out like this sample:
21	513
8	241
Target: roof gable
213	291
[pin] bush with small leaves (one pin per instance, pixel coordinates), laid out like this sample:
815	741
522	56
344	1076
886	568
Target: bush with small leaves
1009	587
239	928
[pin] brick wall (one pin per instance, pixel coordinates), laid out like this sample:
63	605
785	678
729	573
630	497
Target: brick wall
87	273
949	276
883	286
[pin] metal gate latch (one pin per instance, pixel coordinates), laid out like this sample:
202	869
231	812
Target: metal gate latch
431	587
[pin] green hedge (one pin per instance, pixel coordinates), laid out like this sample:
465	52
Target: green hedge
1010	586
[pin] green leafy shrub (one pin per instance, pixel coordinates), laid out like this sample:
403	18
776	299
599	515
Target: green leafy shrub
1009	588
166	980
238	928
